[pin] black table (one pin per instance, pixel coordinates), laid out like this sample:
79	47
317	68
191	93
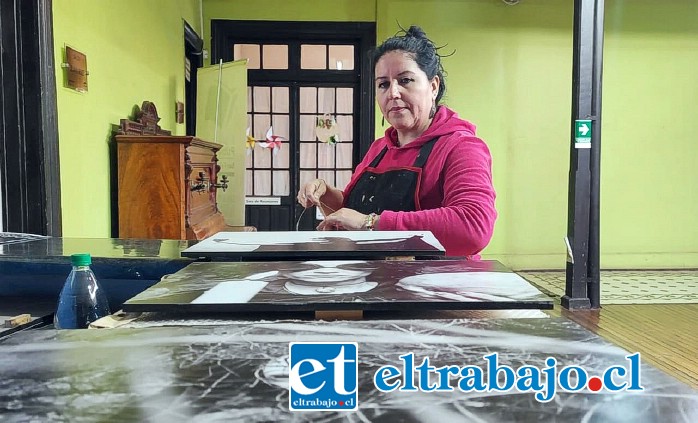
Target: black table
239	372
33	271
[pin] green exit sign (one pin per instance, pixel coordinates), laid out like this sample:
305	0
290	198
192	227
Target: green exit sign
582	133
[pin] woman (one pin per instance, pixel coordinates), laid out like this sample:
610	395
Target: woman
428	172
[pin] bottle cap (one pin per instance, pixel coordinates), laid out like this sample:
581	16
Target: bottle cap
81	259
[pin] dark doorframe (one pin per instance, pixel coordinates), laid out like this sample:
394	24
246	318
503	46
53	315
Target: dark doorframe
224	33
361	35
29	159
193	51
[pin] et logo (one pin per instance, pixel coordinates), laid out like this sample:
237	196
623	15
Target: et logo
323	376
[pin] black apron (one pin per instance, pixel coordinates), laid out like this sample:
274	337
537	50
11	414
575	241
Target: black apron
395	188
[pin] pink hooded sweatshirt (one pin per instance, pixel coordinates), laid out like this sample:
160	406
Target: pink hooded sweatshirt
456	193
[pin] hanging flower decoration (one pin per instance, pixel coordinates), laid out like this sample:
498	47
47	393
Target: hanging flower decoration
327	129
273	141
249	144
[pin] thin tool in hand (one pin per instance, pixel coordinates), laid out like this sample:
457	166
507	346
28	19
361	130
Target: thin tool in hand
298	222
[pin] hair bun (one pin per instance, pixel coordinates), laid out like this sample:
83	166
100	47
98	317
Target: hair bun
421	50
416	32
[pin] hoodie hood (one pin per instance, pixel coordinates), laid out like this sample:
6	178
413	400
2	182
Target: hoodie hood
445	122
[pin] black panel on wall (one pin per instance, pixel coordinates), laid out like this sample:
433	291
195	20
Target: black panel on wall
29	165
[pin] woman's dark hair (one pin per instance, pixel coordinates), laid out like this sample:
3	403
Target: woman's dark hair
415	42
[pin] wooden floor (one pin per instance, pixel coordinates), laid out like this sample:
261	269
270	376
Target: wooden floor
666	335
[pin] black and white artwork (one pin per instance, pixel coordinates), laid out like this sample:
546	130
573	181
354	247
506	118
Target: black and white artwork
340	285
308	245
240	372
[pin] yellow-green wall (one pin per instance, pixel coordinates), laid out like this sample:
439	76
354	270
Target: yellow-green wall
135	52
649	189
510	74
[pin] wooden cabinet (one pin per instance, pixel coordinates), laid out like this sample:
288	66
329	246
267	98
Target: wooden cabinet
167	187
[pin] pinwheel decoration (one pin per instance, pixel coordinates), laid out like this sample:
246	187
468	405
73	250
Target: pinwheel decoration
272	141
249	144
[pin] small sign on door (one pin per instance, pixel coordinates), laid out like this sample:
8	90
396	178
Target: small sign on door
262	201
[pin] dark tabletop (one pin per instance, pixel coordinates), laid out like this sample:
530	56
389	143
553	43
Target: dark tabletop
239	372
33	269
33	248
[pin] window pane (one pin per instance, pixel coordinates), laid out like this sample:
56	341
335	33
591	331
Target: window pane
308	99
313	56
344	151
308	154
249	99
261	125
248	183
342	57
275	56
280	159
328	176
343	178
262	156
249	52
262	182
307	176
281	183
262	159
325	102
345	100
262	99
307	128
346	128
280	124
279	98
325	156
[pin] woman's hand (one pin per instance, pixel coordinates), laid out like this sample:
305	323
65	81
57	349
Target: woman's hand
343	220
309	195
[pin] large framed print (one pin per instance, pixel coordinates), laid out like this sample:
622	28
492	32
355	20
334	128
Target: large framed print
340	285
321	245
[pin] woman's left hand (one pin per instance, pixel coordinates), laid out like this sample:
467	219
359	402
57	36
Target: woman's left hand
343	220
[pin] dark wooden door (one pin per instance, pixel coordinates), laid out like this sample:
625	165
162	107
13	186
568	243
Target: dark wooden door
299	73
